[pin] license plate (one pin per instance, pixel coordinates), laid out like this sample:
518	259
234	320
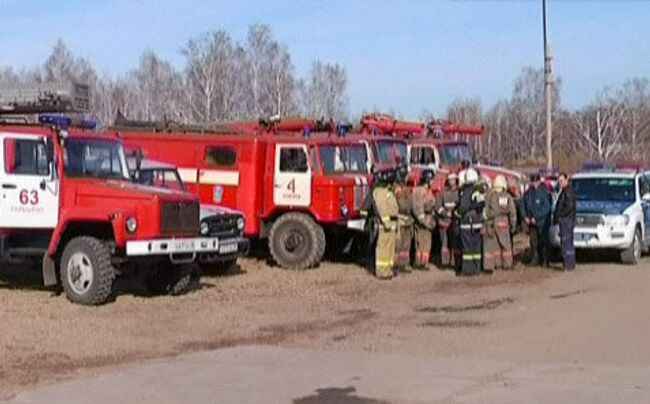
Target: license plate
183	246
583	236
228	248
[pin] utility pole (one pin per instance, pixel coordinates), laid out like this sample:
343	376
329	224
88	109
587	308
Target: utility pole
548	89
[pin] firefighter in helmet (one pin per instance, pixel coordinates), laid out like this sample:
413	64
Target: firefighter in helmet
424	213
500	222
446	205
470	216
385	208
404	195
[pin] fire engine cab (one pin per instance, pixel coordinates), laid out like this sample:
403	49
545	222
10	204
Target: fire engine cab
67	199
292	189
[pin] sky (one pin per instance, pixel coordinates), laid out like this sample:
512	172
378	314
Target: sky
402	56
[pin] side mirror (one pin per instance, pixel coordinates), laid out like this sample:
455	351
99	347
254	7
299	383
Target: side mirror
138	159
49	150
646	197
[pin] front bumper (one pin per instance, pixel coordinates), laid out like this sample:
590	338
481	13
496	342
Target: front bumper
601	236
228	249
173	247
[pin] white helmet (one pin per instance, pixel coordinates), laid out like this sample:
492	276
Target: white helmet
500	183
470	176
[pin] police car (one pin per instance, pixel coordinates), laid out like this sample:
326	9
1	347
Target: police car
612	212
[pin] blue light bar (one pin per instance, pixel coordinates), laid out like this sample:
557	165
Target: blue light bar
307	132
64	122
59	121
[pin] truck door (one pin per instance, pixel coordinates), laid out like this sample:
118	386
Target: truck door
292	182
423	157
28	184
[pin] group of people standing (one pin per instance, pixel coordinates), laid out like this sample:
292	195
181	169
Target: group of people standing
474	221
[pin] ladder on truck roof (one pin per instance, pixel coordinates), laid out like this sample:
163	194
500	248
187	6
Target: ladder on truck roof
45	98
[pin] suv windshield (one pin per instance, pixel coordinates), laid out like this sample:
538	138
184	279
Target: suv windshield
608	189
338	159
160	178
391	152
454	154
94	158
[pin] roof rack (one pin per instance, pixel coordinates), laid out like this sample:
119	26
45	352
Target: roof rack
45	98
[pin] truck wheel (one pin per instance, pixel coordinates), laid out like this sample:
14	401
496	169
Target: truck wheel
87	273
632	254
296	241
169	280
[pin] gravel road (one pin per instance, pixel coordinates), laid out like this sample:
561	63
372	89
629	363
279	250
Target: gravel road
597	315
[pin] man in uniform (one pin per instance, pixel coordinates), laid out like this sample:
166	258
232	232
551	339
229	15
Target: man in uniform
537	216
500	223
404	195
445	206
385	207
470	215
565	217
423	211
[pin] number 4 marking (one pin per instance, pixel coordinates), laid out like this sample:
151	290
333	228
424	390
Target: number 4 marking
291	186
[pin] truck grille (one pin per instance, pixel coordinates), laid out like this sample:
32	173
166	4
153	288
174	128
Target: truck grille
223	226
180	217
589	220
360	197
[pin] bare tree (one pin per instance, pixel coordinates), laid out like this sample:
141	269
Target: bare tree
324	91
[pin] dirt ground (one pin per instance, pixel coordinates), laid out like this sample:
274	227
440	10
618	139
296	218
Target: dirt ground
596	315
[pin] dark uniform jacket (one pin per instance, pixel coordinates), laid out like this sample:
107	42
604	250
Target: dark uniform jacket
470	205
537	203
566	205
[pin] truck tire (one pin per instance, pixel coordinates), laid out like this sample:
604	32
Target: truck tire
87	273
632	254
296	241
169	279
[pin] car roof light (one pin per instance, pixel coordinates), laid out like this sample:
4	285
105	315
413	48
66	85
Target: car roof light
59	121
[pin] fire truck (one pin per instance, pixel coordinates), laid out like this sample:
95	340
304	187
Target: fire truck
293	190
67	199
432	147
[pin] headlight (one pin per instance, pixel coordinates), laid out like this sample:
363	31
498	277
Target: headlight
131	225
205	228
240	223
617	220
344	210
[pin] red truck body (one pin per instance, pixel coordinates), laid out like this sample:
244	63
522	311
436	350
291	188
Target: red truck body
267	176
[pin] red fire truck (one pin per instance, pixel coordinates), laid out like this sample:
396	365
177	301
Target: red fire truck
292	189
67	198
431	146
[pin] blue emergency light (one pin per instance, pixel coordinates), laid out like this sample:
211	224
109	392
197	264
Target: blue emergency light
64	122
307	132
343	129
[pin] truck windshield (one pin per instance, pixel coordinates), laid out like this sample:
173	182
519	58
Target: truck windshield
454	154
338	159
608	189
94	158
160	177
391	152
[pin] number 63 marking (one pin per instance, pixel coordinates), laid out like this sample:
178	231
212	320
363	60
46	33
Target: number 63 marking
28	197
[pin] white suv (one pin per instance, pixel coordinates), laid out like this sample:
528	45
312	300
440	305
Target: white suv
612	212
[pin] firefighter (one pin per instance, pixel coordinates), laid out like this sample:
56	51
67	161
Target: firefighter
537	216
404	195
500	222
470	215
424	214
447	229
385	208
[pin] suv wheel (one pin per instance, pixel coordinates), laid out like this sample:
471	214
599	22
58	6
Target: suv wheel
296	241
632	254
86	271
